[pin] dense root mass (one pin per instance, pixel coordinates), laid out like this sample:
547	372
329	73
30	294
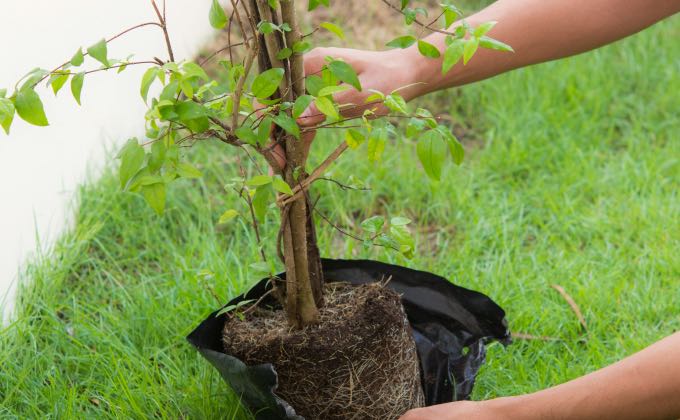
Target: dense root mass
358	362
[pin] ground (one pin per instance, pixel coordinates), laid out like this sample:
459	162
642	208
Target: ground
571	178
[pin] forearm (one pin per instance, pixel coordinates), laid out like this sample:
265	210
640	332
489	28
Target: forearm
538	31
644	385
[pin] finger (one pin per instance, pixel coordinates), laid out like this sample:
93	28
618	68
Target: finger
349	100
315	60
277	151
311	116
280	156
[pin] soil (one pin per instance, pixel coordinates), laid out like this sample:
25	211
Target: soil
358	362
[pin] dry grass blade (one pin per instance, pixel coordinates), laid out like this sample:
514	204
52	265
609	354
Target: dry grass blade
572	304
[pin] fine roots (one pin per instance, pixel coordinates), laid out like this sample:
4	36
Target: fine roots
358	362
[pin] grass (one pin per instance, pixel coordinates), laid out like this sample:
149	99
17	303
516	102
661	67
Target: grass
572	178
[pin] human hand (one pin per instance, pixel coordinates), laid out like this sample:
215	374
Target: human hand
384	71
477	410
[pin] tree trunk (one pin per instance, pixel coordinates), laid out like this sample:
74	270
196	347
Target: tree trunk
304	278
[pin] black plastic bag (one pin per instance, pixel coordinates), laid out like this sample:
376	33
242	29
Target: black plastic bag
451	326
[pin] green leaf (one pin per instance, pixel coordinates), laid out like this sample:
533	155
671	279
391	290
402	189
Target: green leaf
264	130
456	149
154	194
266	28
452	55
415	126
427	117
284	53
266	83
402	42
131	160
281	186
335	29
301	103
469	49
376	144
78	58
451	13
157	156
345	73
6	114
186	170
187	88
3	93
301	47
259	180
483	28
57	81
354	138
404	3
227	216
377	96
147	79
326	106
98	52
192	69
373	224
193	115
313	4
427	49
401	235
332	90
399	221
217	17
410	15
263	195
287	123
431	151
494	44
396	103
30	107
314	84
77	86
33	77
246	134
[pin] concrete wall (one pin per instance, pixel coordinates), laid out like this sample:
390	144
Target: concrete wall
40	167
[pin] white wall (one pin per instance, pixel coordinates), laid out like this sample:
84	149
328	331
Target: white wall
40	167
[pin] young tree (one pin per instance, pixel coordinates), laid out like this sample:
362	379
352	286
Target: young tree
259	111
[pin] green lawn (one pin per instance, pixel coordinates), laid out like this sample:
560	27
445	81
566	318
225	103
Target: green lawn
572	178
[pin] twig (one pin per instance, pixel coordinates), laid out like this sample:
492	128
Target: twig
416	21
107	41
164	26
572	304
132	63
343	186
279	236
338	228
214	53
257	302
315	174
255	224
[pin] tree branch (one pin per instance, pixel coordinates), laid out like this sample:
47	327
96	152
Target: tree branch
164	26
316	173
